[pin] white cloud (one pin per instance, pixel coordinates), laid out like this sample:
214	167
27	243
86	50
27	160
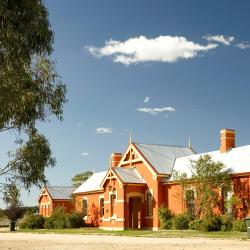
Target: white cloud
243	45
79	124
104	130
141	49
219	38
84	154
147	99
156	111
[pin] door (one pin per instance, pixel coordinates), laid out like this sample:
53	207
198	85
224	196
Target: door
135	212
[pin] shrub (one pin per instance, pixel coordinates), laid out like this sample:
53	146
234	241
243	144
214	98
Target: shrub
32	221
211	223
74	220
226	222
195	224
165	216
168	224
181	221
49	224
239	225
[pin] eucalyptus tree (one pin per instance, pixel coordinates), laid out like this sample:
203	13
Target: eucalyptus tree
30	90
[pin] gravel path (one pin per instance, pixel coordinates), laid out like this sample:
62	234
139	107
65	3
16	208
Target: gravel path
24	241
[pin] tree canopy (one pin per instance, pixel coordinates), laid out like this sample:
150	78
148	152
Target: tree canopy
78	179
207	180
30	88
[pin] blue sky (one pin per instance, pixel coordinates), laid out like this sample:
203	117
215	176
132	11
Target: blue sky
191	58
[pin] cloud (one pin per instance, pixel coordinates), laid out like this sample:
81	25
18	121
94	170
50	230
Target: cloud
142	49
156	111
219	38
147	99
243	45
104	130
84	154
79	124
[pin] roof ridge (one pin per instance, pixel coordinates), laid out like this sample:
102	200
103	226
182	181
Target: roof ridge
165	145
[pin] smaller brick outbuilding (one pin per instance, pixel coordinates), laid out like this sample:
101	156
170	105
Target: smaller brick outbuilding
54	196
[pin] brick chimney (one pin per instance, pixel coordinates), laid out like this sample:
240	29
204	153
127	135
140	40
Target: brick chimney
115	159
227	140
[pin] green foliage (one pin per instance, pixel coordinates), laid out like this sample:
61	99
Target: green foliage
226	222
74	220
32	221
11	196
78	179
164	214
30	88
58	218
49	223
211	223
208	177
168	224
195	224
239	225
181	221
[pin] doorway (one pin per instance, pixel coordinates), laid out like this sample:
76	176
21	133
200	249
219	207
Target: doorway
135	212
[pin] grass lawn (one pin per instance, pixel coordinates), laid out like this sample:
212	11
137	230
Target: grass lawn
140	233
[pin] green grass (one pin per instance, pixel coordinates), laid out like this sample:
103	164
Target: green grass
140	233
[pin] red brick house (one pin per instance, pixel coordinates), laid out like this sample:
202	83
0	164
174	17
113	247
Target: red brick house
51	197
139	181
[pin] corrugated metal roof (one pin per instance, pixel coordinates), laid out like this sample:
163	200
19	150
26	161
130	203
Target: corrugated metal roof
237	159
60	193
162	157
93	183
129	175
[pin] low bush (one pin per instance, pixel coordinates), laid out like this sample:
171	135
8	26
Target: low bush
181	221
239	225
195	224
168	224
165	216
74	220
49	224
211	223
57	219
226	222
32	221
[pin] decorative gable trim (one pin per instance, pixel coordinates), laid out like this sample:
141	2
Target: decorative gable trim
141	158
107	176
44	191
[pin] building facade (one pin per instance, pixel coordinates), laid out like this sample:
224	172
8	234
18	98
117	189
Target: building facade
51	197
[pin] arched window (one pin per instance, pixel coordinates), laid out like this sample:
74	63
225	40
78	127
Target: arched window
227	205
190	200
112	204
102	207
84	207
149	204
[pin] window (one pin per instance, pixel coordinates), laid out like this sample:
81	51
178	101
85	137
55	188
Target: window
149	204
227	195
112	203
190	202
84	207
102	207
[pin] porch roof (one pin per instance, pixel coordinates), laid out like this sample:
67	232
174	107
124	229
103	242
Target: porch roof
129	175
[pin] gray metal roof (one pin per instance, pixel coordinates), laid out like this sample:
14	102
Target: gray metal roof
162	157
129	175
60	193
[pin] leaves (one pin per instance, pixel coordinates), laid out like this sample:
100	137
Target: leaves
30	88
78	179
208	178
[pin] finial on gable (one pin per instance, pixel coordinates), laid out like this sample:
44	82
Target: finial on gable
130	137
189	142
